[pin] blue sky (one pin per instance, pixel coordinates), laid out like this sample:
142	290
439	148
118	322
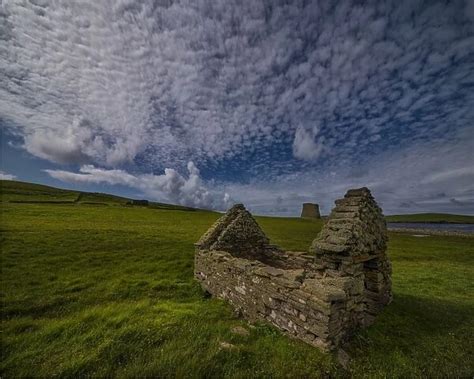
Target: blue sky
269	103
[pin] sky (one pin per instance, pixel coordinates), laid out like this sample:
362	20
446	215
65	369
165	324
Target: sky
270	103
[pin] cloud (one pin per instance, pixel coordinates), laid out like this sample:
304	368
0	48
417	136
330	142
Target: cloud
430	177
91	174
304	145
171	186
114	82
470	9
5	176
267	99
451	174
463	204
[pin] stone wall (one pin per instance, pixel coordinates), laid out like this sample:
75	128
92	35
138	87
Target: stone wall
310	210
320	297
353	244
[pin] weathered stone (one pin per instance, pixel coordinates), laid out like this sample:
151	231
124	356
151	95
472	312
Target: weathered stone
329	247
294	275
236	232
344	359
310	210
240	330
324	292
319	299
269	271
226	345
285	283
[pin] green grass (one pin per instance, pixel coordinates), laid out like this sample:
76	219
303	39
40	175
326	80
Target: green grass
30	193
432	217
13	191
109	291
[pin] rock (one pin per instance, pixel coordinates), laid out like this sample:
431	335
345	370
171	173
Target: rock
344	359
226	345
294	275
240	330
236	232
310	210
271	271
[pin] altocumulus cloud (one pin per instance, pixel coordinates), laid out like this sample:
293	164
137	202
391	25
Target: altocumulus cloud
413	179
261	89
304	145
171	186
110	81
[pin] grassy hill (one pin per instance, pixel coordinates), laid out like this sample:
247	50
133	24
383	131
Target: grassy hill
21	192
14	191
101	291
445	218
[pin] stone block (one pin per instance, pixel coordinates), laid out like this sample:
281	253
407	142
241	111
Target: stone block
310	210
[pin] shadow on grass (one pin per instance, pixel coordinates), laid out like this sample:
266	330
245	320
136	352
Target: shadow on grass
417	336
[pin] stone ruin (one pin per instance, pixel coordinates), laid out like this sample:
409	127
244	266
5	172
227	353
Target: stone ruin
320	297
310	210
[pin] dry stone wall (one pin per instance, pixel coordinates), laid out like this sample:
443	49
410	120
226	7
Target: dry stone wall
320	297
353	244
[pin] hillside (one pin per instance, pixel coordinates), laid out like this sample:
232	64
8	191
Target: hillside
21	192
432	218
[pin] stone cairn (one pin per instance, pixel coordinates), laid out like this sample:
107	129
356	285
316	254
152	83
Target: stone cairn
320	297
310	210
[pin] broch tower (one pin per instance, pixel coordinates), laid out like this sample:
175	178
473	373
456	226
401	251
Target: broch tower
310	210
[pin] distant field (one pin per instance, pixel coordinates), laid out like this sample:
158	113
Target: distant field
30	193
13	191
109	292
432	217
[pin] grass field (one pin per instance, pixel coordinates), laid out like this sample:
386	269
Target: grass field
432	217
12	191
88	290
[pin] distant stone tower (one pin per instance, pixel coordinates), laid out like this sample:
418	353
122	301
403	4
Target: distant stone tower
310	210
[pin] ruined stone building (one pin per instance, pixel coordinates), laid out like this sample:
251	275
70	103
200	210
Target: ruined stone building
320	296
310	210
